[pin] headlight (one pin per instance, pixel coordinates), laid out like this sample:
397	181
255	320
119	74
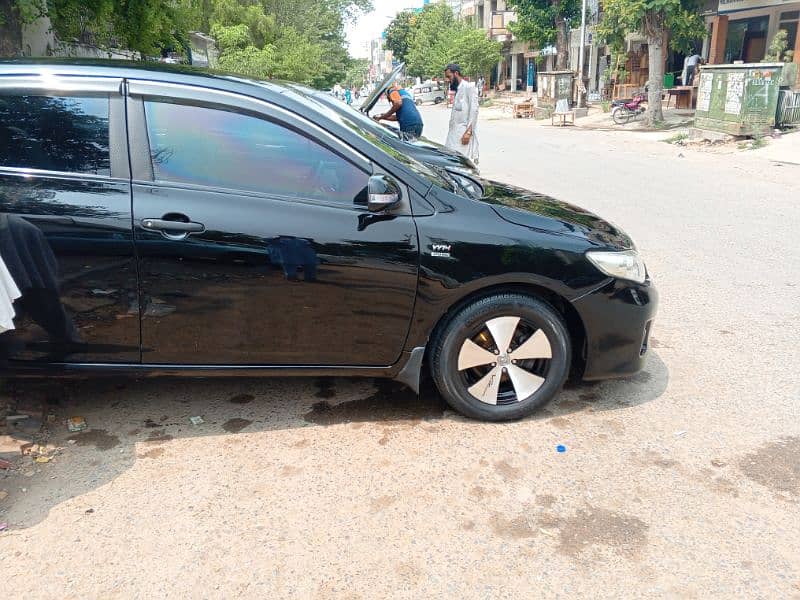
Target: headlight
622	265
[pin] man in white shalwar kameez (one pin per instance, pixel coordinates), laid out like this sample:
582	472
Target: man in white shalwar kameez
461	135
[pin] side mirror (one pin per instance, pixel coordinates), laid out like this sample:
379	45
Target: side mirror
383	193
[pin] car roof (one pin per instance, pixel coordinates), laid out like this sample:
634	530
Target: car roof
277	93
156	72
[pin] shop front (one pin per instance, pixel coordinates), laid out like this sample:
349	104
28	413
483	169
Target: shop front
742	30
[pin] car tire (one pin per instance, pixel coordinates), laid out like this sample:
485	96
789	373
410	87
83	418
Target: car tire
418	102
515	383
438	100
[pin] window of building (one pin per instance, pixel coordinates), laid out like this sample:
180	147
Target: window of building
788	22
224	149
55	133
747	40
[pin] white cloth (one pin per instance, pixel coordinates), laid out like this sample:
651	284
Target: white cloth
8	293
463	115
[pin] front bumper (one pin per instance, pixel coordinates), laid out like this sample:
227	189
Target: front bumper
618	319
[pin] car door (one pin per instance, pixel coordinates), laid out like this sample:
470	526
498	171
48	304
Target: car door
255	246
65	221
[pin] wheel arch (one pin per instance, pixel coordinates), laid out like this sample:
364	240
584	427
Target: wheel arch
575	325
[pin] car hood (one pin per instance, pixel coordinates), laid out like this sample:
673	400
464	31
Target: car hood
381	88
435	154
544	213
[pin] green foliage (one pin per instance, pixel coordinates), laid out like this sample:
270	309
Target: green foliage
438	39
678	138
257	38
777	47
429	49
297	57
537	19
357	72
653	18
475	53
399	34
249	61
231	37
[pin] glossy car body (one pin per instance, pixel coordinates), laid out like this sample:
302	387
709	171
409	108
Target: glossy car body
243	281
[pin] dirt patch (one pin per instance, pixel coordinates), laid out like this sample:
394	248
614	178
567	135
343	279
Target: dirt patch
242	399
507	471
515	528
391	401
652	458
589	397
560	423
725	486
479	492
304	443
154	453
150	423
382	502
546	500
236	424
290	471
99	438
590	527
775	465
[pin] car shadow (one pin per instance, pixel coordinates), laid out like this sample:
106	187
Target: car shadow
134	420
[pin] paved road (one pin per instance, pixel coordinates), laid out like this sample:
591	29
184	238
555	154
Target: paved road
684	481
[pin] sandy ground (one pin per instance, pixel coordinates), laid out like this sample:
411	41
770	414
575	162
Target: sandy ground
681	482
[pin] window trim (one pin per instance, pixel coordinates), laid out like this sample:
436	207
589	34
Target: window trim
52	85
143	171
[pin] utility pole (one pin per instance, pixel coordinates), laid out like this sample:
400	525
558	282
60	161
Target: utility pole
581	54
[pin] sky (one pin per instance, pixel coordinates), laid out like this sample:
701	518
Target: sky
370	25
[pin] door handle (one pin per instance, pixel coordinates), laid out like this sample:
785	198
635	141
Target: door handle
172	226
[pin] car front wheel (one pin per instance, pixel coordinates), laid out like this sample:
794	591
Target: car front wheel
501	357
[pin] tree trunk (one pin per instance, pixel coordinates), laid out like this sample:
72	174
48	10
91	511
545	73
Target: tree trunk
10	30
654	30
562	44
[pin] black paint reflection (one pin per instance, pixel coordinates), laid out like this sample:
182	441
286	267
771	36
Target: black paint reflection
68	245
34	268
294	255
55	133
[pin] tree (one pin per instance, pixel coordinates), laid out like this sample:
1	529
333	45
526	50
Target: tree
654	19
434	38
431	44
475	53
546	22
357	73
399	34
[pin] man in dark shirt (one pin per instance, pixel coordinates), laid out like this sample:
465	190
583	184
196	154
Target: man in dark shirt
404	111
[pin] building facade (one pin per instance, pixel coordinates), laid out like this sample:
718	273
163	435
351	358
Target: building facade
743	29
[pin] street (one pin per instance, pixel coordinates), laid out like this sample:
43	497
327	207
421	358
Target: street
683	481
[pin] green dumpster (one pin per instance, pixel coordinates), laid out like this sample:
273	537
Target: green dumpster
669	80
739	99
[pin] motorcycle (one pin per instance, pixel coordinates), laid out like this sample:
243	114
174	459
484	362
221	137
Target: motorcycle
623	111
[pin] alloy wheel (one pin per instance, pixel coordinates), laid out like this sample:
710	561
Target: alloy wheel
505	361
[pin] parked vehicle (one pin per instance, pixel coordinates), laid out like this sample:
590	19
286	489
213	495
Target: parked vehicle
159	221
624	111
422	149
428	92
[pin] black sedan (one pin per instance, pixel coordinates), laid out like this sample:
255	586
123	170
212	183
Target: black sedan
163	221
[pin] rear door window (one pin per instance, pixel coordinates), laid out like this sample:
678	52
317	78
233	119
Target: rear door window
224	149
55	133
